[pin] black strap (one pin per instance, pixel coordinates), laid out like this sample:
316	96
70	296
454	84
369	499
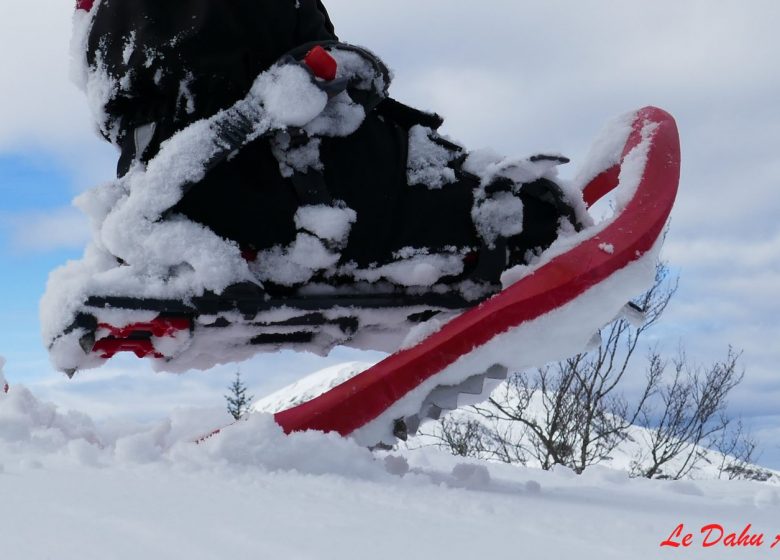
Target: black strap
406	116
492	261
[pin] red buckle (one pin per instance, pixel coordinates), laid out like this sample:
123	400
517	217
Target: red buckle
119	338
321	63
109	347
159	327
85	5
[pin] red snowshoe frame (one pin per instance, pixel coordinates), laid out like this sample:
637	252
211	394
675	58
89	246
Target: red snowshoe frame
362	399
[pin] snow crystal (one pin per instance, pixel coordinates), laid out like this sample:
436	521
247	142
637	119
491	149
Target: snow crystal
633	166
564	472
500	215
420	332
326	222
129	48
473	291
341	117
100	88
606	150
419	268
289	95
427	161
296	159
439	502
479	160
144	447
296	263
519	170
185	93
358	70
607	248
32	430
82	23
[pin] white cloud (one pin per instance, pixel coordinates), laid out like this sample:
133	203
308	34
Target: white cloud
61	228
41	110
39	102
740	252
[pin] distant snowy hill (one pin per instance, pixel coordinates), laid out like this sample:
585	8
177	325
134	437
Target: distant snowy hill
71	488
323	380
309	387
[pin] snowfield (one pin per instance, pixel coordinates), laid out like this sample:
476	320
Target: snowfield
70	488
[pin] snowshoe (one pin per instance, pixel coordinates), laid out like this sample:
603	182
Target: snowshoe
518	264
548	310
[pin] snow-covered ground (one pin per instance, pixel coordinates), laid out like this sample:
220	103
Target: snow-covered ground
634	448
70	488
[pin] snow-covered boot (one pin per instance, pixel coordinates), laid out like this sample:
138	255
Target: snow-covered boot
277	201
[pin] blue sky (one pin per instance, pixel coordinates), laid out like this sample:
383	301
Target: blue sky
27	185
513	75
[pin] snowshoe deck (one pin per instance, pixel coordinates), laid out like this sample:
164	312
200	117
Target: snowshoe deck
167	329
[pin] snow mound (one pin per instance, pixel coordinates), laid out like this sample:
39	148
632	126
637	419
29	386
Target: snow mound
36	433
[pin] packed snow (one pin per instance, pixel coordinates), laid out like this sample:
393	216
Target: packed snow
428	161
